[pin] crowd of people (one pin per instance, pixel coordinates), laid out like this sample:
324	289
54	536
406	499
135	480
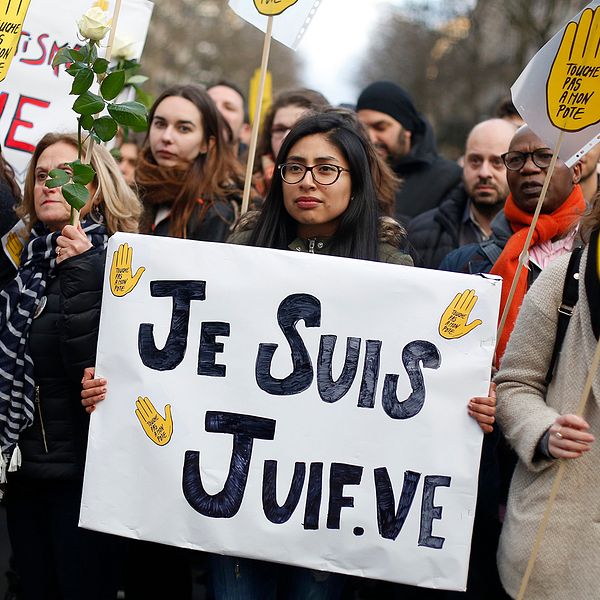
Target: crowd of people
364	183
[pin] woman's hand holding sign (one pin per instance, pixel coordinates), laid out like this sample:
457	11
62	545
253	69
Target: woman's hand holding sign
574	82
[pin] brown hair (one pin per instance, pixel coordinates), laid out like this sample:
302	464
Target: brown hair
303	97
216	173
7	175
113	198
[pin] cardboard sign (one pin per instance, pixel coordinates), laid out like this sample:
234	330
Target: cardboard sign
34	99
564	76
303	409
292	20
12	15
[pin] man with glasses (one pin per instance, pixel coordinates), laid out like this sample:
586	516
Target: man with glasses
405	139
465	215
527	163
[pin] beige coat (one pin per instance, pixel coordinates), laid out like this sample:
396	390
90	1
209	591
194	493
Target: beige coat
568	565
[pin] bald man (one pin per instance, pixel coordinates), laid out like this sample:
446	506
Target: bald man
466	213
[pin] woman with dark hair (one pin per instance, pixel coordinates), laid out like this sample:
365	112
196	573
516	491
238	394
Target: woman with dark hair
49	319
335	205
189	180
10	195
288	107
323	200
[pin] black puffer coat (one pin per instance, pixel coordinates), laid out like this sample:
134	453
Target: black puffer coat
426	177
436	232
62	342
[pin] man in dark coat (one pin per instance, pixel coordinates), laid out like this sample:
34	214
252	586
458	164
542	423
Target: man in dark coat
405	139
465	214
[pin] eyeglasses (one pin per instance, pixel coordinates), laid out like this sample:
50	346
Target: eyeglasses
322	174
515	160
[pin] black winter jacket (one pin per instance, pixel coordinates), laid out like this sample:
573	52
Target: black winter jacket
426	177
62	342
480	258
436	232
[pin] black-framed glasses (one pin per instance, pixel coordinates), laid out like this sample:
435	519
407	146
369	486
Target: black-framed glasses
323	174
515	160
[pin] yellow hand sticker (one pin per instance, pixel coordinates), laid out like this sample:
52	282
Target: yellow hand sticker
157	428
573	87
12	15
453	323
122	279
14	247
271	8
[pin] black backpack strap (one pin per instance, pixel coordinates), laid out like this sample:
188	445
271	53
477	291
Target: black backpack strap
565	310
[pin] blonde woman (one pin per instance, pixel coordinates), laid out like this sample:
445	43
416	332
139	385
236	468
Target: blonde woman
49	316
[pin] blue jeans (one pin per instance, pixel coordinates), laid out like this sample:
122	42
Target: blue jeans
244	579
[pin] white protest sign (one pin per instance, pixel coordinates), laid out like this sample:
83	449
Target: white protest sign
34	98
337	388
559	90
292	17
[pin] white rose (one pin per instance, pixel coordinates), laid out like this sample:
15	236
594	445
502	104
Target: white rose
123	48
94	24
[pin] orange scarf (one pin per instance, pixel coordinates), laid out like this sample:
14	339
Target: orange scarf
548	227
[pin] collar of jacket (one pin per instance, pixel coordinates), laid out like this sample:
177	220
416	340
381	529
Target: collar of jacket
314	245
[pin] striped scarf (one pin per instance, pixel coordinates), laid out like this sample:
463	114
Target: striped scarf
19	301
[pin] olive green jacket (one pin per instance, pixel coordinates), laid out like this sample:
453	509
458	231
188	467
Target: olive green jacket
392	237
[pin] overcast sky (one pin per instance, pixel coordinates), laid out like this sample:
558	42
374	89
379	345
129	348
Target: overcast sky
335	43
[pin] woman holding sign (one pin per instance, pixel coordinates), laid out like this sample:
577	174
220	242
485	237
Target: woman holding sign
323	200
49	317
190	182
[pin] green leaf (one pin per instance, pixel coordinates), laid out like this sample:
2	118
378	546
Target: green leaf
67	55
83	81
146	99
82	173
100	66
76	195
86	122
57	177
136	80
74	68
105	128
131	114
93	53
88	104
113	85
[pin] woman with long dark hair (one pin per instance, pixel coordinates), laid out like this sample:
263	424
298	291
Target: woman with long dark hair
336	203
189	180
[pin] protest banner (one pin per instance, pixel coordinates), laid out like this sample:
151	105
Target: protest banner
558	92
34	98
568	66
292	408
12	15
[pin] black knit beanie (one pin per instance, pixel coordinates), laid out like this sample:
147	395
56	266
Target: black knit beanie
391	99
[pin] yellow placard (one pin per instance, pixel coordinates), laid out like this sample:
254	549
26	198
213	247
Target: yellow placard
271	8
573	87
12	15
253	95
